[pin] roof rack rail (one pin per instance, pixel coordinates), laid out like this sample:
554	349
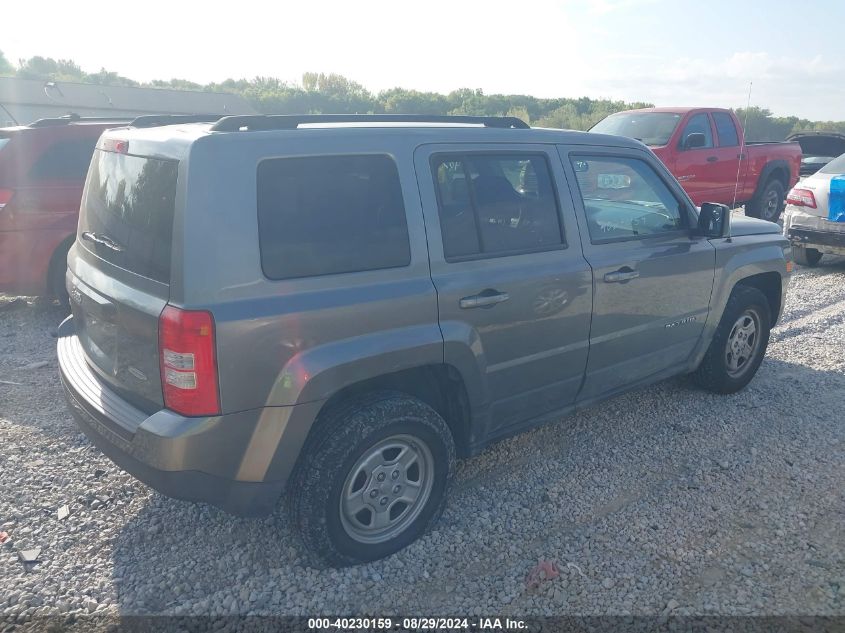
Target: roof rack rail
74	118
292	121
155	120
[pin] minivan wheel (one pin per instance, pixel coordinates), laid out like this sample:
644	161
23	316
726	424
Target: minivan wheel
740	342
806	256
56	273
372	479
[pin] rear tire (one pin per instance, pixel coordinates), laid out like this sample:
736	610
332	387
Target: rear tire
769	204
372	478
806	256
740	342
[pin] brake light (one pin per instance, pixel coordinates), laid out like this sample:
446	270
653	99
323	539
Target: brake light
5	197
801	198
186	348
115	145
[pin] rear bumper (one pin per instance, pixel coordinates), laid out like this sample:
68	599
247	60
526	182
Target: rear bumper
217	460
823	241
814	231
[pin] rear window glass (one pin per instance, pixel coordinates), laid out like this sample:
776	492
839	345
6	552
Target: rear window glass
127	212
330	214
836	166
495	204
3	141
64	161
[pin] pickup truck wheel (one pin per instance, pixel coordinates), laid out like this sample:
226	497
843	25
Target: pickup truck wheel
373	479
770	203
740	342
806	256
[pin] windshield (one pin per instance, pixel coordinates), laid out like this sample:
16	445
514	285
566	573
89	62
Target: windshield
836	166
652	128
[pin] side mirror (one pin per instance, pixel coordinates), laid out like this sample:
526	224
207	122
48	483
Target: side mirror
714	220
694	140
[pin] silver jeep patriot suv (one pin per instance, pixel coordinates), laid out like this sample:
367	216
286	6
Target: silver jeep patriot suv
336	307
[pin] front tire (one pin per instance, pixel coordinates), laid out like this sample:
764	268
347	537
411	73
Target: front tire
372	479
770	203
806	256
740	342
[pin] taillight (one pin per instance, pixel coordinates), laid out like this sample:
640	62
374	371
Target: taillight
187	360
801	198
5	197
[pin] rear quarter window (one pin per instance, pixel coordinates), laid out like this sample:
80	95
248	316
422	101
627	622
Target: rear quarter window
330	214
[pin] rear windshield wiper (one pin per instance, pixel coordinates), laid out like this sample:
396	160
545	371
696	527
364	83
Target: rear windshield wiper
102	238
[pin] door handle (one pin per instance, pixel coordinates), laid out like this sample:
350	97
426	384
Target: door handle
712	159
484	299
623	274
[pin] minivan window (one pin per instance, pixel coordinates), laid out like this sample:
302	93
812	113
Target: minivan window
496	204
330	214
126	217
63	161
726	129
624	198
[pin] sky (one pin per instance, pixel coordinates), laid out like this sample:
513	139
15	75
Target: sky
664	52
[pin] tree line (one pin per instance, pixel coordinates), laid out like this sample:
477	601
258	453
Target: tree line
319	93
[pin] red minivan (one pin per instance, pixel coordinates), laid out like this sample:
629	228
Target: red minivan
42	172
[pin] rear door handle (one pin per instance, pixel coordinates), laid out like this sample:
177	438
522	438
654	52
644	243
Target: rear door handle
484	299
623	274
712	159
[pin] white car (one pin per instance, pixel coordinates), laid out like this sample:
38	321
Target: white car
814	219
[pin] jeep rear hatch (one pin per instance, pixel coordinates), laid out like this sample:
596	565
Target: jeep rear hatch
121	280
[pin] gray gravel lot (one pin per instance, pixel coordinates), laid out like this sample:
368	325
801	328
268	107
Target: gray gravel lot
668	499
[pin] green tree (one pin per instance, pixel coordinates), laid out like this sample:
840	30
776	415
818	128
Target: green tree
6	67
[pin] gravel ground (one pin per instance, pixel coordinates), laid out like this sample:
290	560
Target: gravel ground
668	499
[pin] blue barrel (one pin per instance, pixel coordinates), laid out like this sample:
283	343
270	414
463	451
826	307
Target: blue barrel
836	207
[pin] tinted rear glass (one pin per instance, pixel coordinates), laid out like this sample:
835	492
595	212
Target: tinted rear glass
330	214
127	212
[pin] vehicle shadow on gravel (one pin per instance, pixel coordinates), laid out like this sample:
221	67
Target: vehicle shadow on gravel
593	485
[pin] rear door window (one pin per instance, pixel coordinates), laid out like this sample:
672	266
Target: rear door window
726	129
495	204
127	212
65	161
325	215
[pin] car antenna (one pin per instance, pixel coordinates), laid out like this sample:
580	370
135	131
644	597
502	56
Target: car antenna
742	144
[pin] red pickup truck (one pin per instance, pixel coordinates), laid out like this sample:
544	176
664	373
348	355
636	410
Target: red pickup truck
705	150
